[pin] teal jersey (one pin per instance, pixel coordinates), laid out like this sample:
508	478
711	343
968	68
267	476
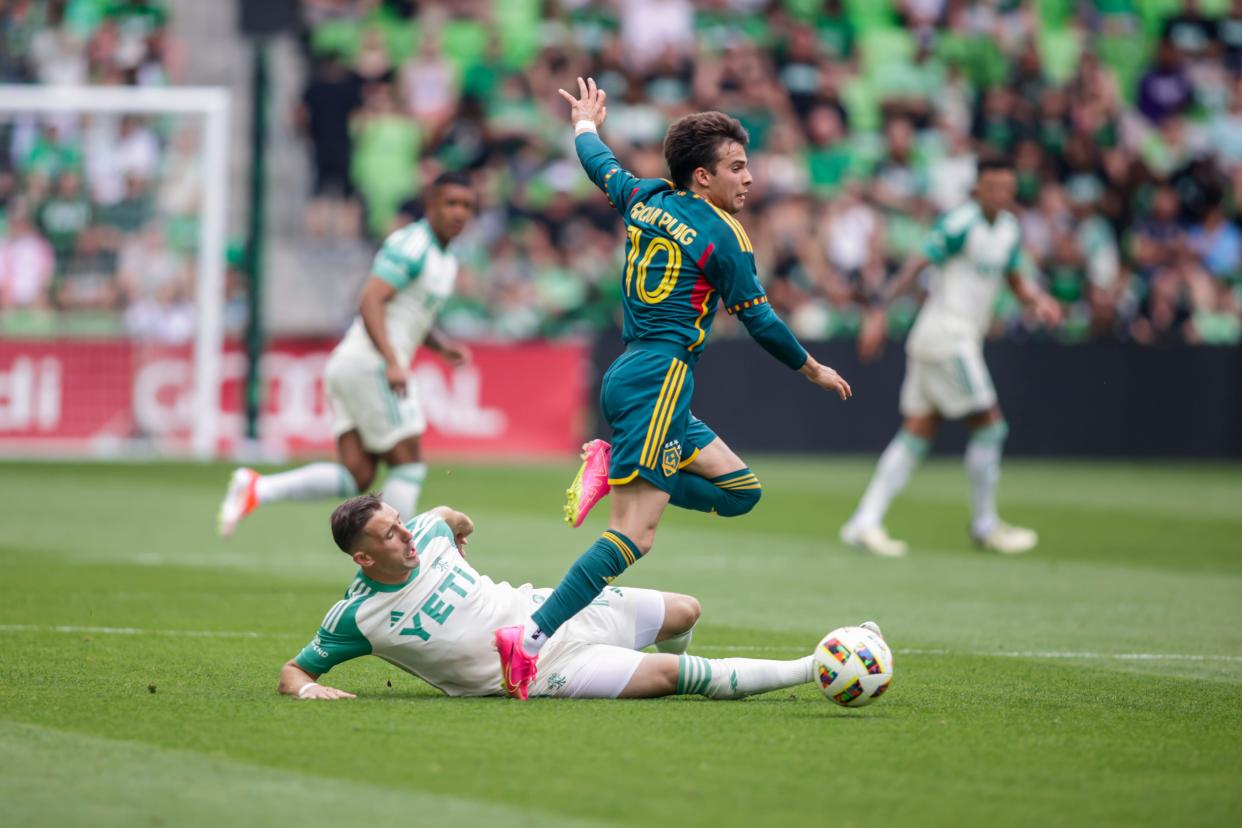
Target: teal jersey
684	257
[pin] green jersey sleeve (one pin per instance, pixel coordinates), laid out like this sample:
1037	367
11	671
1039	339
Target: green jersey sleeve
948	236
606	172
337	641
1015	256
731	270
401	258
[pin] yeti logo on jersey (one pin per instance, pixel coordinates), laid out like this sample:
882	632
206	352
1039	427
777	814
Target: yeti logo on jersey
671	458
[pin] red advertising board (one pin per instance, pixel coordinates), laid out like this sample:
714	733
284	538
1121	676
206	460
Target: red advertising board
99	397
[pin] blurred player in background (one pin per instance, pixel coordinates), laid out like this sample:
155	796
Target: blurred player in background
974	247
685	253
419	605
377	414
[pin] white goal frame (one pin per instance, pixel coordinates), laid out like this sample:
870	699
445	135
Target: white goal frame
212	103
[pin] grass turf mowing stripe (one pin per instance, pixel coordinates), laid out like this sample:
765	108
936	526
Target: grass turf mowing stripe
731	648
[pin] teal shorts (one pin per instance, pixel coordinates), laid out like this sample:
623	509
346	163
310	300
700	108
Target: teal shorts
645	397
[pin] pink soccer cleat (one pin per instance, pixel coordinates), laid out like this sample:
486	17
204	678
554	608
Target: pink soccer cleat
590	485
239	501
517	669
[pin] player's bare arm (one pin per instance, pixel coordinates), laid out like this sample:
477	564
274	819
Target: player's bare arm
1046	309
459	522
377	293
296	682
455	353
589	105
871	334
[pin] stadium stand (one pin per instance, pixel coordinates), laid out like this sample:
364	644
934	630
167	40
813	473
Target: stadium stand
1123	117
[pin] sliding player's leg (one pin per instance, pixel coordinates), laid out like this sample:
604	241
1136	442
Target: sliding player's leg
664	674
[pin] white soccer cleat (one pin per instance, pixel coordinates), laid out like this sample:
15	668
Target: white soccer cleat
873	627
1008	540
874	539
239	501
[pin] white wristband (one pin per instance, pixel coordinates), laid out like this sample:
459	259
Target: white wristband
305	687
585	125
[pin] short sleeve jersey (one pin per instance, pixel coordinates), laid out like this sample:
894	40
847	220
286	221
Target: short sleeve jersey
973	258
684	256
424	273
437	625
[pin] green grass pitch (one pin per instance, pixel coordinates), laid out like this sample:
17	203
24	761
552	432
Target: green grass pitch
1096	681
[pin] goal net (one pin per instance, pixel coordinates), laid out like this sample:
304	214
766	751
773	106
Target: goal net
113	305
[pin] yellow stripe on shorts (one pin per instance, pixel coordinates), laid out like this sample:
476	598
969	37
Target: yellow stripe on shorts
672	385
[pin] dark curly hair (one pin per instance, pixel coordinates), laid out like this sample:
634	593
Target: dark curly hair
695	141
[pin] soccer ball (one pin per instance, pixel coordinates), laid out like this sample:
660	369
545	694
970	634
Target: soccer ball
853	666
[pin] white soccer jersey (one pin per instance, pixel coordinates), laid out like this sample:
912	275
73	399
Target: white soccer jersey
437	625
423	272
974	257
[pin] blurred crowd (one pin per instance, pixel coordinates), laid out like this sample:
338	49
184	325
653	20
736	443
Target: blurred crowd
98	213
1123	118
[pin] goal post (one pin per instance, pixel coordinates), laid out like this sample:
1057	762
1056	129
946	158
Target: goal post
211	104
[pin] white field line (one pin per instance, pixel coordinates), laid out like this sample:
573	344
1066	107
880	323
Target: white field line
137	631
733	648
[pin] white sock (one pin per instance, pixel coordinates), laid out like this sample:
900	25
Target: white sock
402	487
677	645
983	456
533	638
891	475
735	678
313	482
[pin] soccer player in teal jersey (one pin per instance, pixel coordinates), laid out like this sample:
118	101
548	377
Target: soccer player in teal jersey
685	255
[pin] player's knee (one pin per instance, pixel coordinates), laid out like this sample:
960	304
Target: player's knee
739	502
681	612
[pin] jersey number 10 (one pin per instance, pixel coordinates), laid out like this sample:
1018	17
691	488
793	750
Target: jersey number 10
638	260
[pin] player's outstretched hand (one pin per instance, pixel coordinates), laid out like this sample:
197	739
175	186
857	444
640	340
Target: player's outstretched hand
322	691
826	378
589	105
397	378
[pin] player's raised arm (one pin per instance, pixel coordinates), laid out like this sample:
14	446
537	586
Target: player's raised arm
296	682
587	113
460	524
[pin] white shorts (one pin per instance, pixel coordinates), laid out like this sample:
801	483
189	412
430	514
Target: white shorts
953	387
361	399
594	655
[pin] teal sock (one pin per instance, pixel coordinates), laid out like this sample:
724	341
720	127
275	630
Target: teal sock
728	495
607	558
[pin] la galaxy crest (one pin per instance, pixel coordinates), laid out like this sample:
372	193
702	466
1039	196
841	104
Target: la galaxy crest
670	459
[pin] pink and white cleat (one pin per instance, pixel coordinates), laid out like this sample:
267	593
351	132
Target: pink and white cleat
517	669
591	483
239	501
